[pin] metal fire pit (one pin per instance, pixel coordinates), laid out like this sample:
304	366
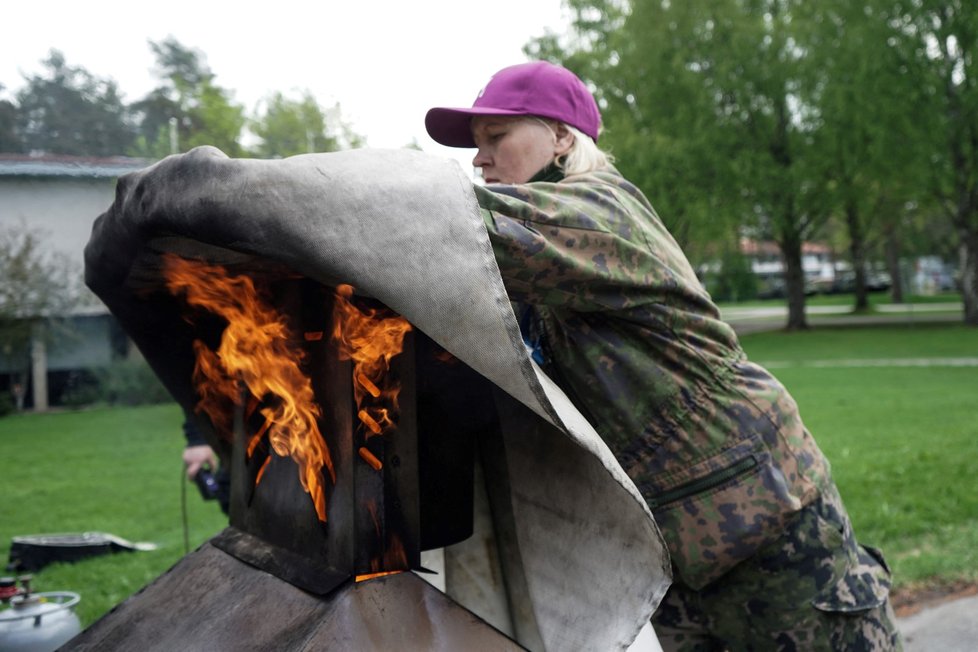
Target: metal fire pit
419	498
418	243
212	601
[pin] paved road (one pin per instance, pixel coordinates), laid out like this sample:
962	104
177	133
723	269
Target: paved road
769	318
948	627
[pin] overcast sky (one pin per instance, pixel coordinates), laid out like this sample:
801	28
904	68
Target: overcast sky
385	62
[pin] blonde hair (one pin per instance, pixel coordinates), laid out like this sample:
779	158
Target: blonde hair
584	155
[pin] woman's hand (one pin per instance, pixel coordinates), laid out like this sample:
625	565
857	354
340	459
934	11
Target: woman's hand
194	457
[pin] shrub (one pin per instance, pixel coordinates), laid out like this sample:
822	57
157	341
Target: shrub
131	382
81	388
735	281
6	405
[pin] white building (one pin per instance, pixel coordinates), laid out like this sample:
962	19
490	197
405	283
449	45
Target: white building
60	196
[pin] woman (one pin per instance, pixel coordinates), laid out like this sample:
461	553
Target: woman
762	548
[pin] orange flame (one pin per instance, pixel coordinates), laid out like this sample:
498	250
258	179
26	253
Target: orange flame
394	559
371	576
257	350
370	458
370	339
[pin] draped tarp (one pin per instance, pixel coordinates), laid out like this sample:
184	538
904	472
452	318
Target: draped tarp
404	228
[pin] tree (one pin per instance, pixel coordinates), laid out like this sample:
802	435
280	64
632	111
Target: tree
70	111
39	287
661	145
860	107
200	111
709	104
10	142
937	42
287	127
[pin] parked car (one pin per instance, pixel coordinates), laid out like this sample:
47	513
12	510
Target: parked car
878	281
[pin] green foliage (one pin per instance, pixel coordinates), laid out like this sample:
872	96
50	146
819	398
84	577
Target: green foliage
709	109
70	111
202	112
656	115
287	127
769	118
6	405
130	382
105	470
81	390
36	283
734	280
10	140
937	45
214	119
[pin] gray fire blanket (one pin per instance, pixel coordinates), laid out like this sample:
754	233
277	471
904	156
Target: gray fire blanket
405	228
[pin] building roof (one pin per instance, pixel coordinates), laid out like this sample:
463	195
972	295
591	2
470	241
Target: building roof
58	165
750	247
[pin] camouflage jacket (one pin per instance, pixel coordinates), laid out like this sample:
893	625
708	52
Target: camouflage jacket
714	443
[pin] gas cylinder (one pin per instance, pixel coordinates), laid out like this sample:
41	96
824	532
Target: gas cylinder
39	622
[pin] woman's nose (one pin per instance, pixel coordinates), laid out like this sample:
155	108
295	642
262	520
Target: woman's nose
481	158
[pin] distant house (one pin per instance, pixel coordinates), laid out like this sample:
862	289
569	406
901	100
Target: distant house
817	261
61	196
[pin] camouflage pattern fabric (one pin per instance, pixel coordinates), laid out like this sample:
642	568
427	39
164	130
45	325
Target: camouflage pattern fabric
714	443
816	589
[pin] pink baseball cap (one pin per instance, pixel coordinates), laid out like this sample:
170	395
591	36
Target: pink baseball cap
538	88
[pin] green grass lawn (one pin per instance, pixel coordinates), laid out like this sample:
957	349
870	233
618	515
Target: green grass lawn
112	470
903	442
934	340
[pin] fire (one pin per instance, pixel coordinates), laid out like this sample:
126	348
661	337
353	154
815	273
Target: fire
370	339
371	576
257	350
394	556
370	458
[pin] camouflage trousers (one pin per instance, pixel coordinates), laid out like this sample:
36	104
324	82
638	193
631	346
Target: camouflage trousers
815	589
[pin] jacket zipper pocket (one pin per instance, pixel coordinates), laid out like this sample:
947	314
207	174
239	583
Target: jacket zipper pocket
705	483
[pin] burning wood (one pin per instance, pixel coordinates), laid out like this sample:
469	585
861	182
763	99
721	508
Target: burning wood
257	437
261	471
370	338
372	389
370	458
371	423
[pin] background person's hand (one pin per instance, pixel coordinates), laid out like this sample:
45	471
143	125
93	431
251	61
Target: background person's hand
195	457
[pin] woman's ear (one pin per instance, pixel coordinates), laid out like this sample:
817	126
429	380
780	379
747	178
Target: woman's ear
564	139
